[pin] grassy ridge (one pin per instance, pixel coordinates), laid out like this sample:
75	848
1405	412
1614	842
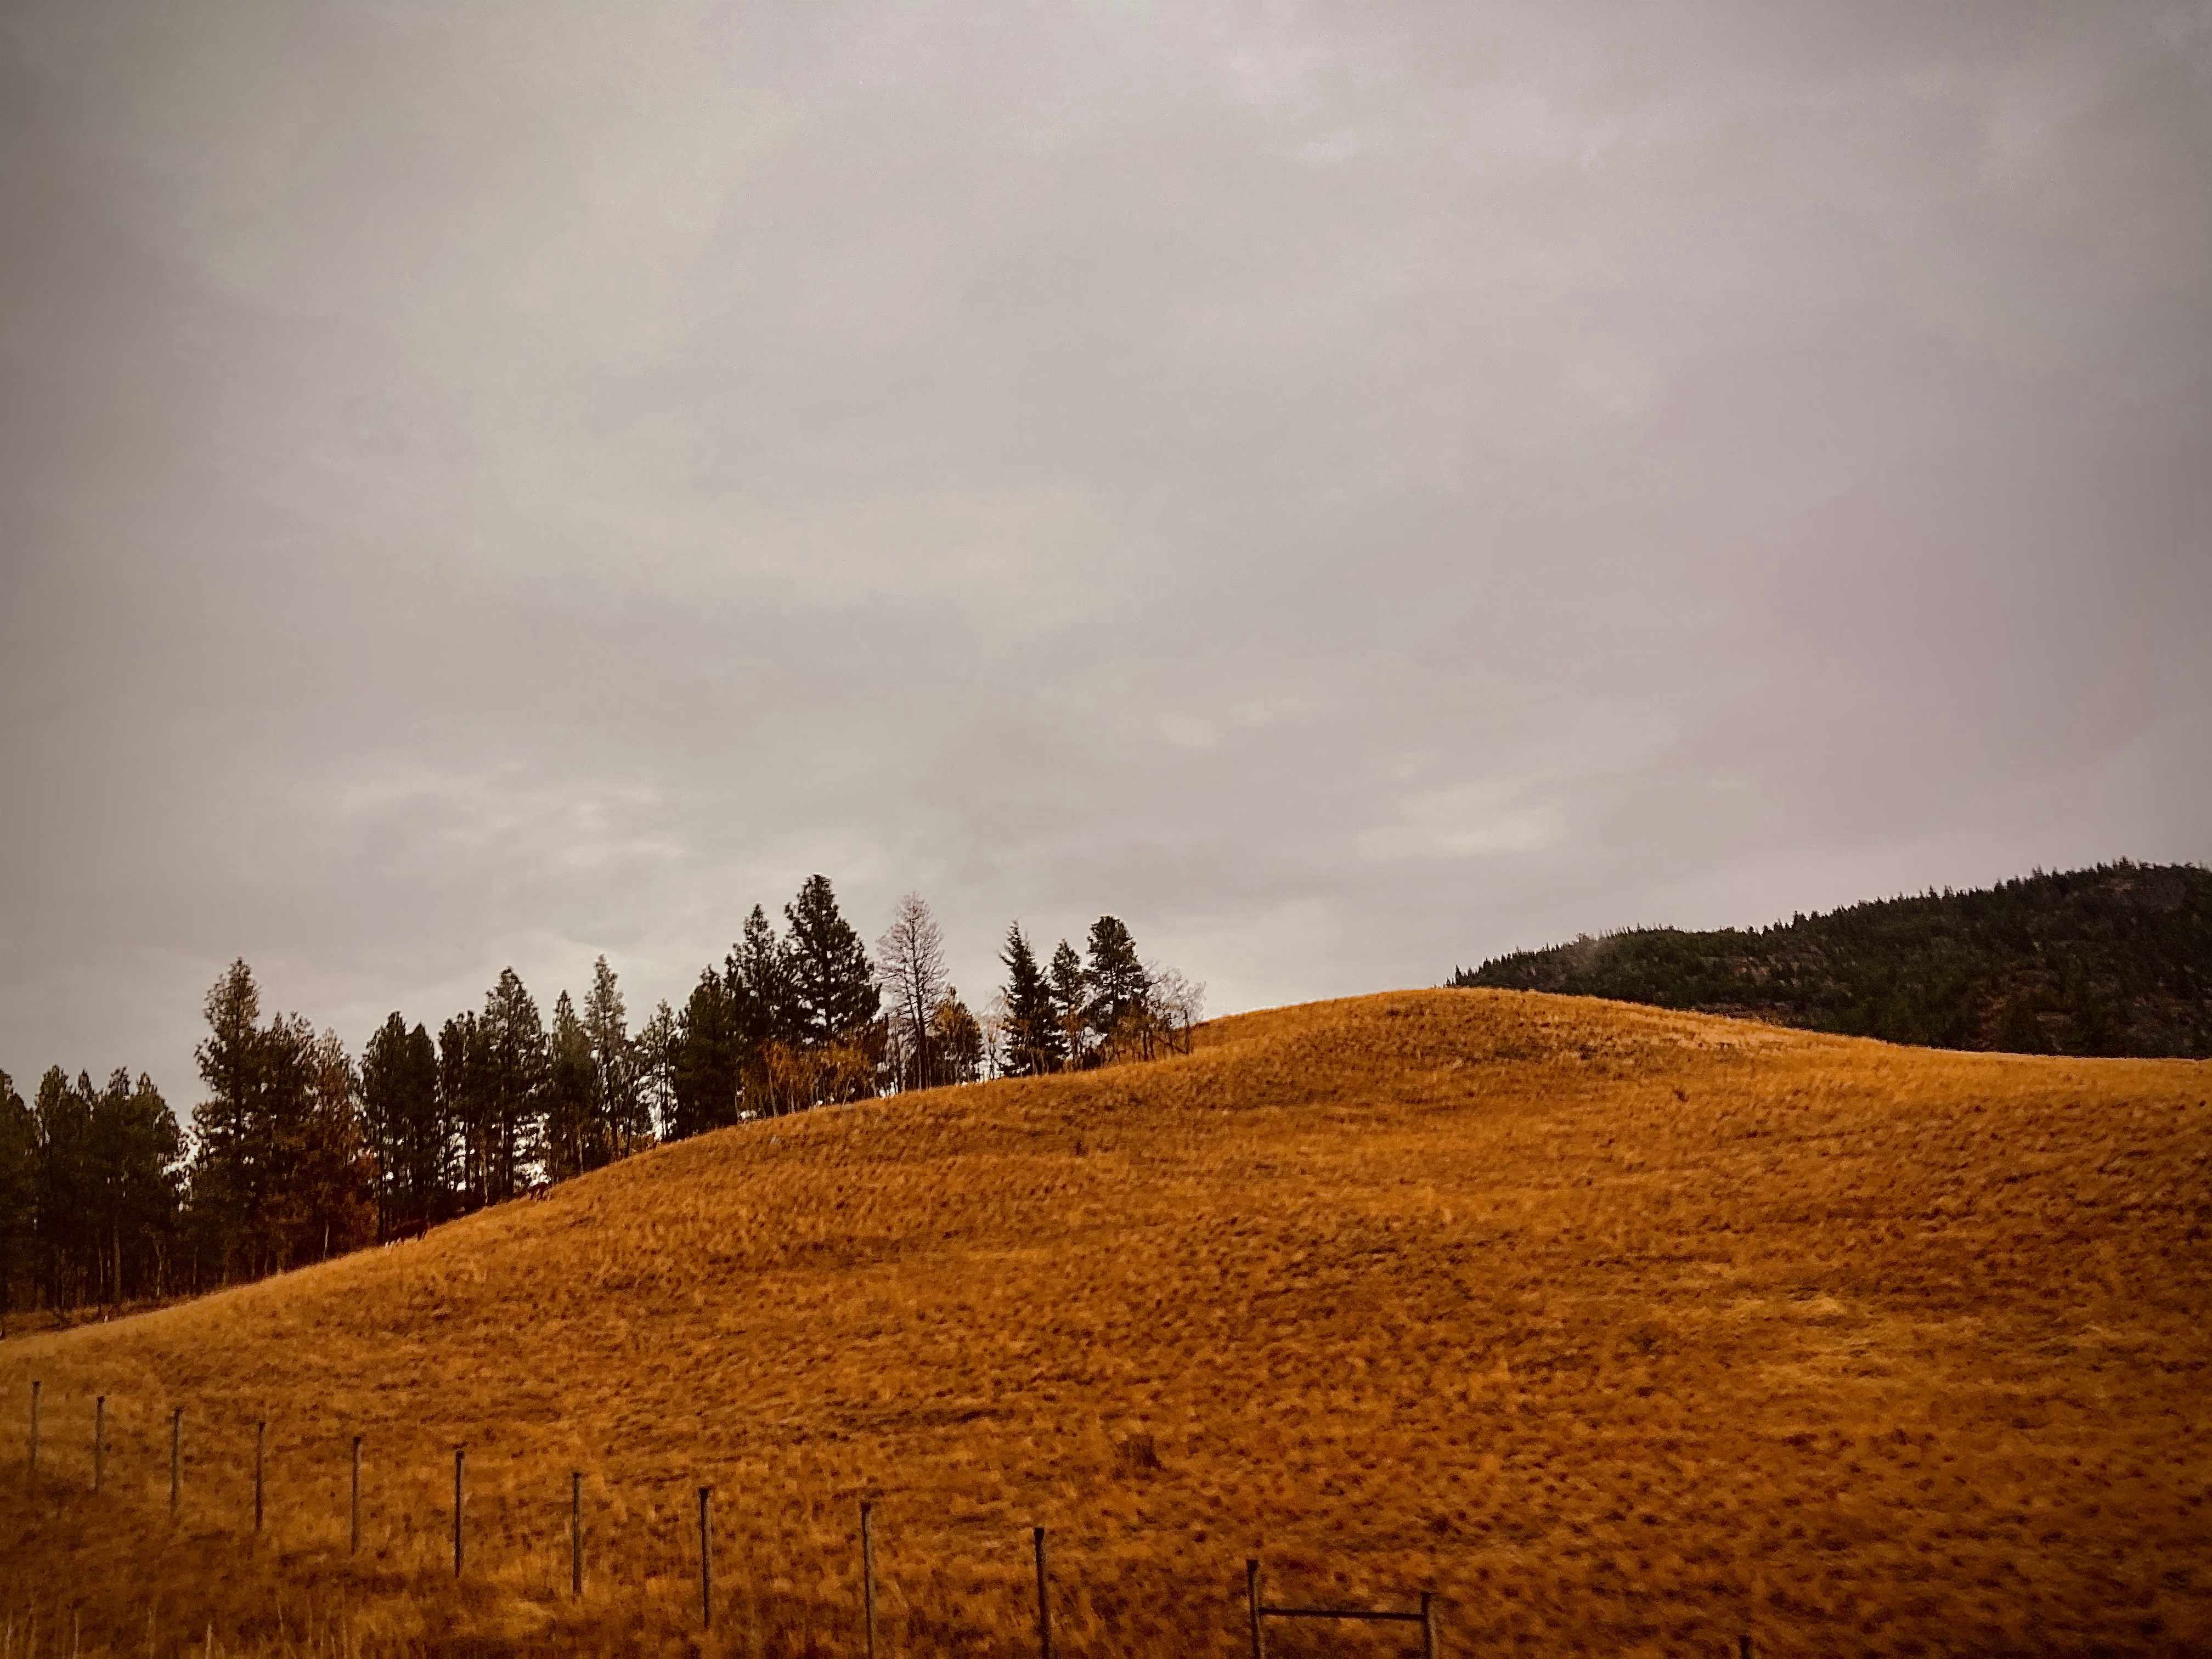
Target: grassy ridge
2112	961
1624	1330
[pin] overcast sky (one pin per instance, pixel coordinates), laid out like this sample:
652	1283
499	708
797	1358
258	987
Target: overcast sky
1348	490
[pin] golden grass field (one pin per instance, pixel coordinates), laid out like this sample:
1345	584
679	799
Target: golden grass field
1623	1331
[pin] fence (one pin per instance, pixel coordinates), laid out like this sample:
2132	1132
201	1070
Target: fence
1258	1610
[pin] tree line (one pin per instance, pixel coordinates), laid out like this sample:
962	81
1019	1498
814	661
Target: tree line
297	1151
2112	960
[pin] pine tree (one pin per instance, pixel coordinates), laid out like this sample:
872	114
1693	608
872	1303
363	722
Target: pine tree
571	1085
18	1191
227	1147
464	1104
426	1140
1034	1042
135	1151
706	1060
656	1047
1119	1009
620	1123
384	1067
758	971
515	1061
1071	1002
66	1199
833	986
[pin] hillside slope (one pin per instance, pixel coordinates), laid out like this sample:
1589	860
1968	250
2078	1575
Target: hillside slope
2112	961
1621	1329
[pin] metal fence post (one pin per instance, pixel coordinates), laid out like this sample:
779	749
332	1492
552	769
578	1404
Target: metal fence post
176	1458
261	1441
99	1442
1428	1625
459	1454
354	1506
576	1533
1252	1601
36	1386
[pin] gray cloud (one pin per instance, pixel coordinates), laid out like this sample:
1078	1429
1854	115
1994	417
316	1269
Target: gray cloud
1348	491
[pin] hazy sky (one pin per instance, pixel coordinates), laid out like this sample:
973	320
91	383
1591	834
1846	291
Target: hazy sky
1348	490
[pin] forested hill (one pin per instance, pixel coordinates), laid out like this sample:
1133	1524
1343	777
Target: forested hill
2117	960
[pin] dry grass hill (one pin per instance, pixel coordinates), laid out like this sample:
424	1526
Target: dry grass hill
1622	1330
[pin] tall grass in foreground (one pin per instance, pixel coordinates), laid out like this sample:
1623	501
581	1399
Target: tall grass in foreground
1623	1331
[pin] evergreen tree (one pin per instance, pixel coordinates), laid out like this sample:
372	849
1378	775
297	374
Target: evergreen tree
833	986
1034	1042
136	1152
515	1066
463	1098
759	972
1071	1002
621	1123
707	1059
657	1047
228	1149
408	1136
384	1115
18	1191
1118	987
571	1088
63	1114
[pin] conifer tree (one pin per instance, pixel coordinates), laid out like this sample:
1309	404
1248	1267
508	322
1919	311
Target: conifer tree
464	1104
18	1191
1034	1042
620	1123
1118	986
1071	1003
833	984
571	1085
706	1061
515	1062
758	970
136	1150
657	1045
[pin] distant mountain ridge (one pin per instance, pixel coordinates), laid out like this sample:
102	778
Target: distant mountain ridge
2114	960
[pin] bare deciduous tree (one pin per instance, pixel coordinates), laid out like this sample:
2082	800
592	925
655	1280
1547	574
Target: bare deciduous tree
911	964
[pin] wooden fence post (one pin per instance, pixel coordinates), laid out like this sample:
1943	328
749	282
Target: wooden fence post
99	1442
35	1387
1428	1625
354	1547
260	1443
176	1458
1252	1601
459	1453
1044	1607
706	1561
868	1571
576	1533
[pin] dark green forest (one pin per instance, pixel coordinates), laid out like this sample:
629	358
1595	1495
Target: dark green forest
2114	960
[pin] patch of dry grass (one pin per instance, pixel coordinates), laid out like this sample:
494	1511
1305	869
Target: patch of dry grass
1622	1330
